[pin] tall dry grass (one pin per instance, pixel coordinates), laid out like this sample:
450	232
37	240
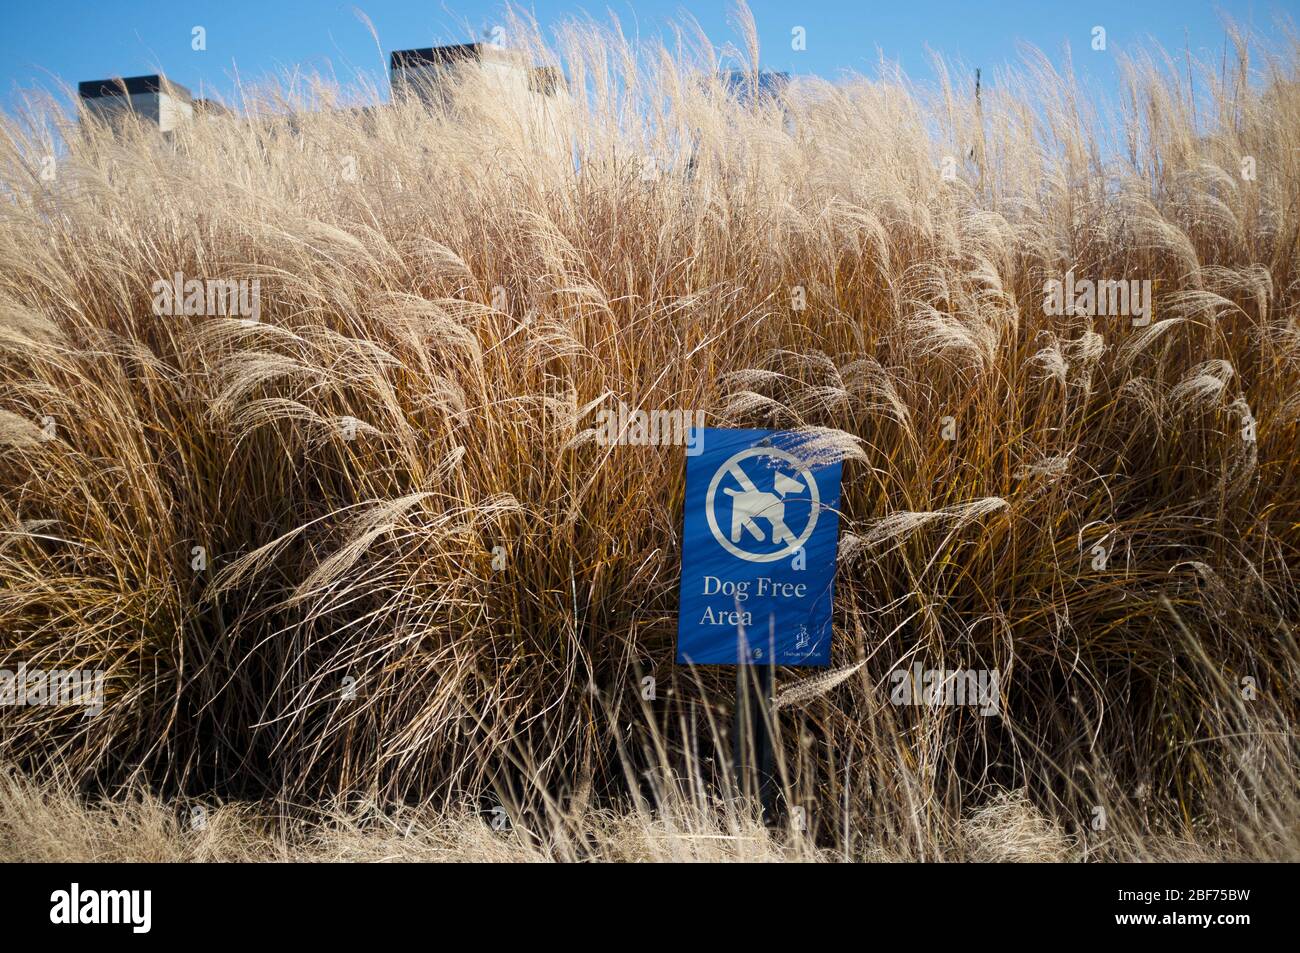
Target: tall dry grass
490	277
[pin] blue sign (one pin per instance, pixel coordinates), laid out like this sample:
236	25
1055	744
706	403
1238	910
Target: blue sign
758	552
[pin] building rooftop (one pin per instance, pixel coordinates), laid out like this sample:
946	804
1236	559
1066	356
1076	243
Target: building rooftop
453	54
750	87
131	86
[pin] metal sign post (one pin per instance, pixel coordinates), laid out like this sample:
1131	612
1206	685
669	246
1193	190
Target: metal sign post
753	752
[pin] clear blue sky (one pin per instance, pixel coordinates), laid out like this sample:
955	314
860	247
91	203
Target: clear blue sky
41	39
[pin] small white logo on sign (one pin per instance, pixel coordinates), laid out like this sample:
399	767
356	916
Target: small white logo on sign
758	516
